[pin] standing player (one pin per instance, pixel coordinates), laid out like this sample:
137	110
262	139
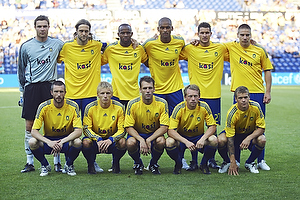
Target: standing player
82	58
146	122
245	125
163	54
187	129
124	62
36	70
205	69
103	127
247	62
61	120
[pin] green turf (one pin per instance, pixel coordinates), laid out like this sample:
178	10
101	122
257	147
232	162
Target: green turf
282	154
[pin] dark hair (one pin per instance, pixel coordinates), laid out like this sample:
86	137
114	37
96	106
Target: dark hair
124	25
204	25
41	18
241	89
191	87
83	21
244	26
58	83
163	19
147	79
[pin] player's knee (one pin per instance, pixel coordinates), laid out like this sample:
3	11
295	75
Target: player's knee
33	143
222	140
87	143
131	143
170	142
261	140
213	141
77	143
160	141
121	143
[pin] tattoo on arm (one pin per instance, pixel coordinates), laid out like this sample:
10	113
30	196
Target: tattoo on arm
230	146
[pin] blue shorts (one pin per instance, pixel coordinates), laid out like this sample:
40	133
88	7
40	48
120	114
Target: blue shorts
47	149
258	97
82	103
143	135
193	139
110	148
215	106
124	102
172	98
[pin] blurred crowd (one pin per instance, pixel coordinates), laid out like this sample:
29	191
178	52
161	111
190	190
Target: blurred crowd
277	34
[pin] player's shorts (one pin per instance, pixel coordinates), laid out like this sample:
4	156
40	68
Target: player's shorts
34	94
47	149
193	139
172	98
215	107
110	148
82	103
143	135
259	98
124	102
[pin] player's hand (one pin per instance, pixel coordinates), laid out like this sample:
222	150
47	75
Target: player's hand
191	146
144	148
20	103
56	147
267	98
245	144
155	36
134	43
253	42
233	169
103	145
200	143
195	42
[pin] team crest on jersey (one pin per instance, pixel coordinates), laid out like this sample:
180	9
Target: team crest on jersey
156	114
92	51
135	55
67	117
50	49
198	119
216	54
251	118
254	56
113	118
176	51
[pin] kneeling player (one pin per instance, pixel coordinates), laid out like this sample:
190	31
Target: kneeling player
245	125
103	127
62	129
187	127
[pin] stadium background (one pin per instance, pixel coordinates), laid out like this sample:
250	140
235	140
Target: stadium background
275	25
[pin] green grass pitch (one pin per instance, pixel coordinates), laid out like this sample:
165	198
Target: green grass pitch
282	154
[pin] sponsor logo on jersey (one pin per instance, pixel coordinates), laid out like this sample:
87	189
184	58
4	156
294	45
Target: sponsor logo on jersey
84	66
105	131
206	66
59	130
195	130
43	61
243	130
125	67
167	64
148	126
245	62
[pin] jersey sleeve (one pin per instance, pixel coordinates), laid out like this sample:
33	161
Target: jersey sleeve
21	68
164	117
88	124
121	131
129	117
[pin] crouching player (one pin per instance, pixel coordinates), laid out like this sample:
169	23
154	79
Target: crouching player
186	130
103	127
62	129
245	125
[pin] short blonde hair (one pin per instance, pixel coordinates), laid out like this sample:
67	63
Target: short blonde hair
104	84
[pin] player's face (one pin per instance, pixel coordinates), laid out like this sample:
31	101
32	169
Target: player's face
58	92
83	33
244	36
125	35
147	90
105	95
242	100
165	28
204	36
42	28
192	98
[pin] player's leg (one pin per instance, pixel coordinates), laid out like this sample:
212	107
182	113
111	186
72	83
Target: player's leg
157	149
223	151
89	151
134	152
72	151
172	148
209	151
39	153
256	146
118	152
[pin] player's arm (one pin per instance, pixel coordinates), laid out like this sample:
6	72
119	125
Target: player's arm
159	132
72	136
53	144
256	133
21	69
268	81
145	150
209	132
175	135
233	168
